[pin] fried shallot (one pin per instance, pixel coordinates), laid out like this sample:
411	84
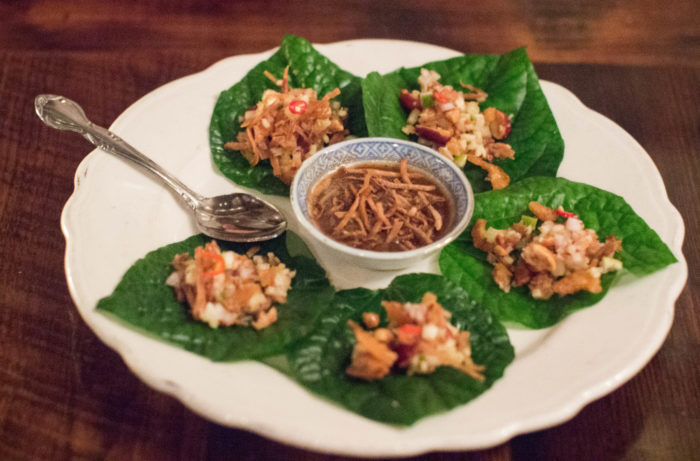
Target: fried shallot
288	126
378	207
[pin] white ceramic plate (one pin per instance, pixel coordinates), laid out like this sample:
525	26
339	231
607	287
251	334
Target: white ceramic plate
117	214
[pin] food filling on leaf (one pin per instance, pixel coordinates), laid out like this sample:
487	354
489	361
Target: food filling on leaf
227	288
288	126
418	339
451	122
560	256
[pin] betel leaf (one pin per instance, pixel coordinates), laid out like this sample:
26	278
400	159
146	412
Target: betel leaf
307	69
642	252
318	361
143	300
512	86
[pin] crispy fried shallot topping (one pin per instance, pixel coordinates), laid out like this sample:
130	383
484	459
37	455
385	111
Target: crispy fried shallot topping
380	208
288	126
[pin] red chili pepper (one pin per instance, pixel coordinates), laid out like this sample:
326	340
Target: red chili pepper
409	334
411	329
565	214
298	106
216	259
441	98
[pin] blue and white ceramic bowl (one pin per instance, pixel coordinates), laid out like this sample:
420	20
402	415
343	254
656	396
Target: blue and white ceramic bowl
382	150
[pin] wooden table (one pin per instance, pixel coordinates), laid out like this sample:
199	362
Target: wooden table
64	395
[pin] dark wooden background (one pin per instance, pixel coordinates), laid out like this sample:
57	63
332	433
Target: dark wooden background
64	395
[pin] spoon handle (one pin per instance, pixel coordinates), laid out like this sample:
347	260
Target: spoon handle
63	114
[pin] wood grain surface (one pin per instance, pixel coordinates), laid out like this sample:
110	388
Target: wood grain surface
65	395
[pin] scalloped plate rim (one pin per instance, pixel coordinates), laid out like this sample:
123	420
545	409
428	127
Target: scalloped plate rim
411	443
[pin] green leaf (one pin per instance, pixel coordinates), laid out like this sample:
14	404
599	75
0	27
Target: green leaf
512	85
643	252
143	300
319	360
307	69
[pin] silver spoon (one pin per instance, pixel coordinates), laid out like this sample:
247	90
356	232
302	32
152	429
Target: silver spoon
237	217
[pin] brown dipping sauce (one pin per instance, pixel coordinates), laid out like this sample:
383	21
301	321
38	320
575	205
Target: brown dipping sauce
381	207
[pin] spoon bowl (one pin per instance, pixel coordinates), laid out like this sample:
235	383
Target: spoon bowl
237	217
